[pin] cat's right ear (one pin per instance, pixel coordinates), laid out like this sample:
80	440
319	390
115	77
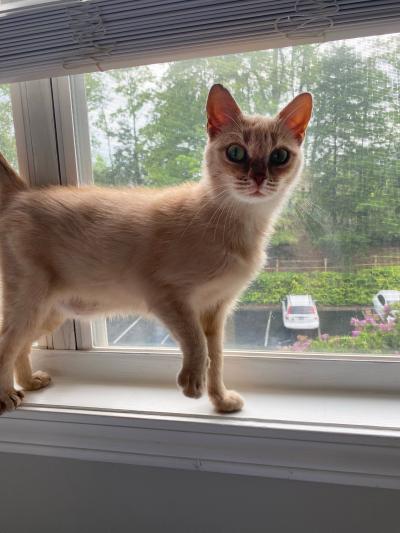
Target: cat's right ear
222	109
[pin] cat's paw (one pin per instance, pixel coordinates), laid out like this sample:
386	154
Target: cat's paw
10	400
192	381
39	380
230	402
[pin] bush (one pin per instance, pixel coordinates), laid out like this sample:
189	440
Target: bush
328	288
368	336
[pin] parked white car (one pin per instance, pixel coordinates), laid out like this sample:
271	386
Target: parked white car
383	298
299	312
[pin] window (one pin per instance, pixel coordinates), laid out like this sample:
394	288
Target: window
339	239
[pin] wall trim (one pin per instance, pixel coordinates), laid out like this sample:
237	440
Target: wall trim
202	444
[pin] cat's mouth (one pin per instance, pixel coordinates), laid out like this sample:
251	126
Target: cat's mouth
255	191
262	191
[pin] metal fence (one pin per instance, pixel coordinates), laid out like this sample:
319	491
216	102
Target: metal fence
277	264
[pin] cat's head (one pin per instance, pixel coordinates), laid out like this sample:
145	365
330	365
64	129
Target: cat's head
254	158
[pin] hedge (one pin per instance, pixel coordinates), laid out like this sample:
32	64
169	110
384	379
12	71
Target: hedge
328	288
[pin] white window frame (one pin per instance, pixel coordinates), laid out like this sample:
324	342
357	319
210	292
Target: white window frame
52	137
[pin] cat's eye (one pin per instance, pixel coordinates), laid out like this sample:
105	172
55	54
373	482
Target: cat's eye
236	153
279	156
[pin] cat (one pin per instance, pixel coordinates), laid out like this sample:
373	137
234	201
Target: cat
183	254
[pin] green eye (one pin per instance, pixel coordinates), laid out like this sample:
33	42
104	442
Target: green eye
236	153
279	157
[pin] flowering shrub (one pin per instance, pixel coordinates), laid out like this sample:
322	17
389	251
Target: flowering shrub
302	344
368	335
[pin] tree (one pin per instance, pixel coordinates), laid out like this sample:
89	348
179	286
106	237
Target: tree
117	102
352	167
134	87
7	137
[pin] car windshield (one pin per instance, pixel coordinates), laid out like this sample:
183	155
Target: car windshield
301	310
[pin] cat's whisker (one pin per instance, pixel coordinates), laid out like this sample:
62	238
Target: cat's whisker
213	216
232	119
321	217
306	217
204	206
231	217
217	221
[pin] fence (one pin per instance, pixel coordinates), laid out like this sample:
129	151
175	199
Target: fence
277	264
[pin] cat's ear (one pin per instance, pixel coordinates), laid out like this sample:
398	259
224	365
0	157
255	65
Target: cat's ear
296	115
222	109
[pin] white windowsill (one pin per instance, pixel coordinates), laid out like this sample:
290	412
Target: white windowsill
118	407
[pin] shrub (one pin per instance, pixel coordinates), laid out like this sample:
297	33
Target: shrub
328	288
368	335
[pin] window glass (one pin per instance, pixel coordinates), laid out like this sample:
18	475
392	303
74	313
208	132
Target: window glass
300	310
339	238
7	136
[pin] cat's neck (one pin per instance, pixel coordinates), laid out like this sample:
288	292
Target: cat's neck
238	224
254	214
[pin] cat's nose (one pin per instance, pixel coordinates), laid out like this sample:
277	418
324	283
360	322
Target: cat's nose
258	171
259	178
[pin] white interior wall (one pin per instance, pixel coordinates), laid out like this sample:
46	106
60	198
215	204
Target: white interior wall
41	494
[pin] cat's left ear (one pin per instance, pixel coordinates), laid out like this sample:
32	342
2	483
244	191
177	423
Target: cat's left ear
296	115
222	109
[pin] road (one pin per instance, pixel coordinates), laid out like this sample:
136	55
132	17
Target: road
255	328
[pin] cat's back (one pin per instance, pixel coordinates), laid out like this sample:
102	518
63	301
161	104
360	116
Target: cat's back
70	206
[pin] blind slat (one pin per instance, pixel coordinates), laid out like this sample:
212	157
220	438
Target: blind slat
58	38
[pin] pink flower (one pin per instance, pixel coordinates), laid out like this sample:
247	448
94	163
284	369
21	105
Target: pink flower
324	337
301	344
355	333
386	327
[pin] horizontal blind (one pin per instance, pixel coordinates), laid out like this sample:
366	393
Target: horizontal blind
43	39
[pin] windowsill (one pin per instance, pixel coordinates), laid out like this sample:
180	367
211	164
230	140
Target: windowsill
296	432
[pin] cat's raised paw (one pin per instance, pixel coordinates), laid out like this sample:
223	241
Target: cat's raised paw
38	381
193	382
10	400
229	403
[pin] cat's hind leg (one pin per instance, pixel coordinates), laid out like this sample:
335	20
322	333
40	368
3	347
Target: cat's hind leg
27	379
25	306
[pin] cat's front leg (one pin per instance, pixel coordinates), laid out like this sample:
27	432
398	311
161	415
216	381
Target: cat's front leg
224	400
186	329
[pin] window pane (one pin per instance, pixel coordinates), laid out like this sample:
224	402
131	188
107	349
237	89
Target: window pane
7	136
339	238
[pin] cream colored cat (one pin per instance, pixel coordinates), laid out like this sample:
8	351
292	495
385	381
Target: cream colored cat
183	254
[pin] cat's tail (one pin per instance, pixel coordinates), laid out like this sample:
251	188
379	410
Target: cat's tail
10	182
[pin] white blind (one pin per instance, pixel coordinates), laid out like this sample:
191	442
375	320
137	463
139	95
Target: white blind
44	39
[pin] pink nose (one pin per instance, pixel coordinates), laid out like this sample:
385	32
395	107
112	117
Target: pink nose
259	178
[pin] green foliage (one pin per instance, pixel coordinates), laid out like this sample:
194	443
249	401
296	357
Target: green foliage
117	101
328	288
352	160
7	138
